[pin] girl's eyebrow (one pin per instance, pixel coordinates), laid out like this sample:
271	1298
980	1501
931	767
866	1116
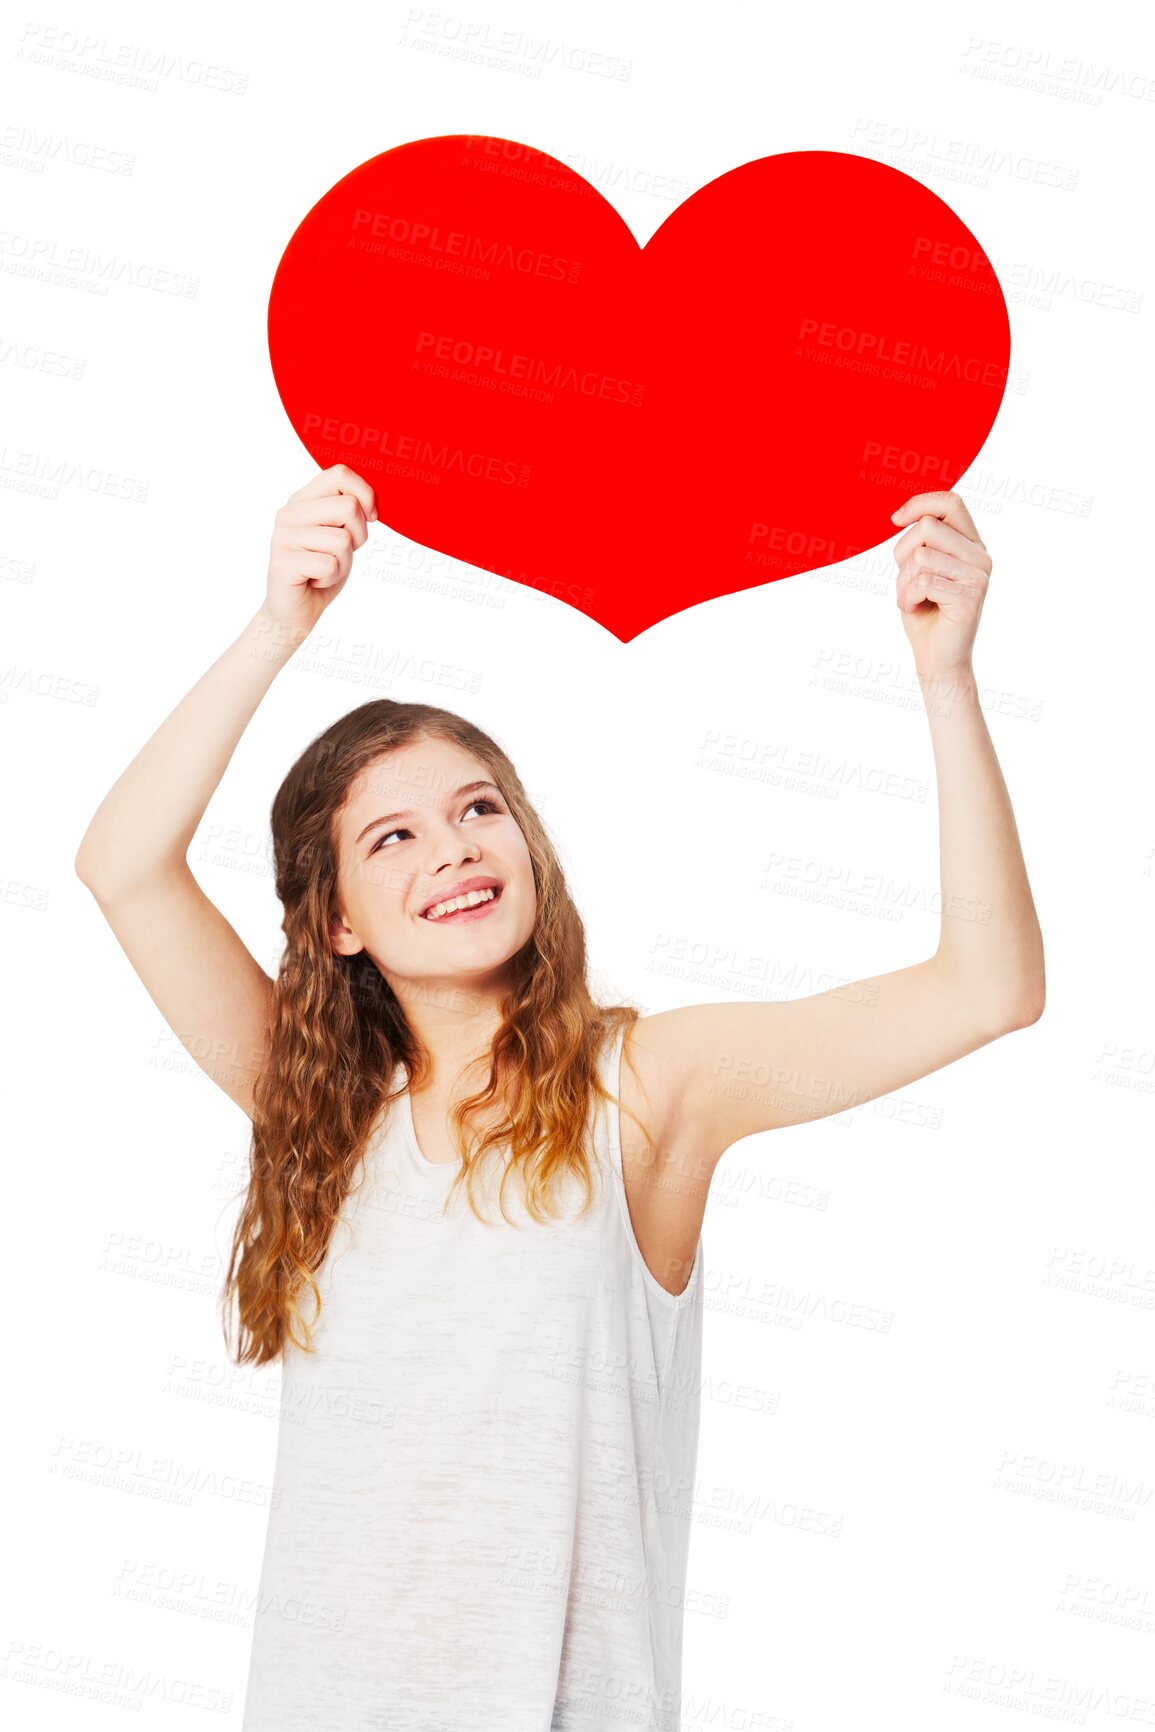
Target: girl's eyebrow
465	788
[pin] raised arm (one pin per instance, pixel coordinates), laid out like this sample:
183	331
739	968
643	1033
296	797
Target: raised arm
133	857
719	1072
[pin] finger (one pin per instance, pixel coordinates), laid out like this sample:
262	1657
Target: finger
930	573
947	506
341	510
318	538
318	568
930	559
333	581
923	589
341	479
933	532
925	585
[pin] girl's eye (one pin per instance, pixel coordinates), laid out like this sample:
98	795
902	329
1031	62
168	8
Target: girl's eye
385	837
482	800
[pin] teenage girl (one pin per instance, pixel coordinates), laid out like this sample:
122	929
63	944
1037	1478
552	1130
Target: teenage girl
471	1233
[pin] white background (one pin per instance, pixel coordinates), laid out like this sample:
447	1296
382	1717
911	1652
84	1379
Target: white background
946	1522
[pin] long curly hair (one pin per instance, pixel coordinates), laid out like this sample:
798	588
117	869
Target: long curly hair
337	1032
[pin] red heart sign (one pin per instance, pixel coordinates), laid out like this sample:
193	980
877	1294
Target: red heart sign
805	342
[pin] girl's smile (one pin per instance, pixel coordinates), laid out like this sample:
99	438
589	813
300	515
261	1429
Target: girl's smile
474	911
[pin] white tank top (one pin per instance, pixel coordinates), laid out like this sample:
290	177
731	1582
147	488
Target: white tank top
481	1511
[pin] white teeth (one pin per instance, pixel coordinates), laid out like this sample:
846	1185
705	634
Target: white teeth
470	900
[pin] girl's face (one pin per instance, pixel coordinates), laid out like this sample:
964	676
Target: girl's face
411	831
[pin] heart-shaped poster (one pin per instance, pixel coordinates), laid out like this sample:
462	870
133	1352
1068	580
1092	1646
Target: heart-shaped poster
805	342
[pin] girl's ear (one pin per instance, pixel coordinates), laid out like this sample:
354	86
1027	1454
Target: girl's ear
342	938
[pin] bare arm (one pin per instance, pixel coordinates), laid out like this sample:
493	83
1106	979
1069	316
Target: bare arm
727	1071
133	857
990	945
144	826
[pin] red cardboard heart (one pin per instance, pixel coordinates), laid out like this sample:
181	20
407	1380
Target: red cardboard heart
805	342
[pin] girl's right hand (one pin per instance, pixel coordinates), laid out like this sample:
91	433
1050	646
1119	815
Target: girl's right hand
311	552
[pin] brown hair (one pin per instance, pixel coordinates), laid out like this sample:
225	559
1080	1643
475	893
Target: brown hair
337	1032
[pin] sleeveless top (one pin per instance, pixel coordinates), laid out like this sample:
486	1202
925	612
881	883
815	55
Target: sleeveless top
483	1491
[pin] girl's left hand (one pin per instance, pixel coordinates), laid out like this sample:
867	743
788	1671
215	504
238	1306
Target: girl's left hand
943	569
